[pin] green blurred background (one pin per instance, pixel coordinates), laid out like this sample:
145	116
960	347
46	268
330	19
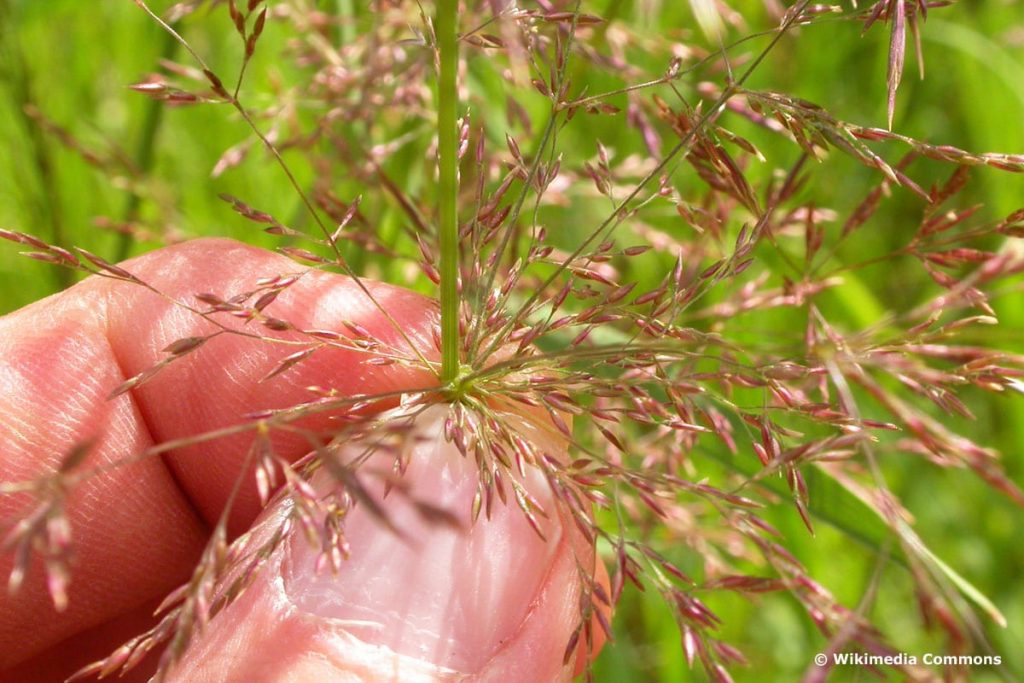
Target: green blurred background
72	60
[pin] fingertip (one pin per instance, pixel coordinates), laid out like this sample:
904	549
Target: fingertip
491	601
225	380
140	525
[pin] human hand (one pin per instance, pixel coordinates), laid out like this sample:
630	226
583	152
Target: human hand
492	602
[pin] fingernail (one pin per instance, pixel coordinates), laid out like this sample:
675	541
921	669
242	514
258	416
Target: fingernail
451	597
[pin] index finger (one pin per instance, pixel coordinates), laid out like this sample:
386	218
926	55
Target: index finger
138	529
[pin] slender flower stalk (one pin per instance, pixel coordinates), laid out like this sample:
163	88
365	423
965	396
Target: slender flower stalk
448	226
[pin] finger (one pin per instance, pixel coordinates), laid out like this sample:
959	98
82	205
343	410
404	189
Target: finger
139	528
81	649
222	380
491	600
133	531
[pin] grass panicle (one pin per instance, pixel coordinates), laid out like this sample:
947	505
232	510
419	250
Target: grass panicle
635	255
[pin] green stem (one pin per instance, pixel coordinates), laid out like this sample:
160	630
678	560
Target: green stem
346	12
448	228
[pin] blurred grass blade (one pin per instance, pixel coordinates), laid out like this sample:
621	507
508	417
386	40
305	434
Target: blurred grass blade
708	18
837	505
965	587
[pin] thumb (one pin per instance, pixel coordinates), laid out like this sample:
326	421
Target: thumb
485	601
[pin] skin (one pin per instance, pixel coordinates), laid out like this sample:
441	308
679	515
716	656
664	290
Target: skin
440	603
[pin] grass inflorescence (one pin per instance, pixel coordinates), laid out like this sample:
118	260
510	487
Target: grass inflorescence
612	295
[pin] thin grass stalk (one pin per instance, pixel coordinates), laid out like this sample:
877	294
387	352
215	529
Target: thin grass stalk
618	214
448	227
344	29
233	100
145	153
